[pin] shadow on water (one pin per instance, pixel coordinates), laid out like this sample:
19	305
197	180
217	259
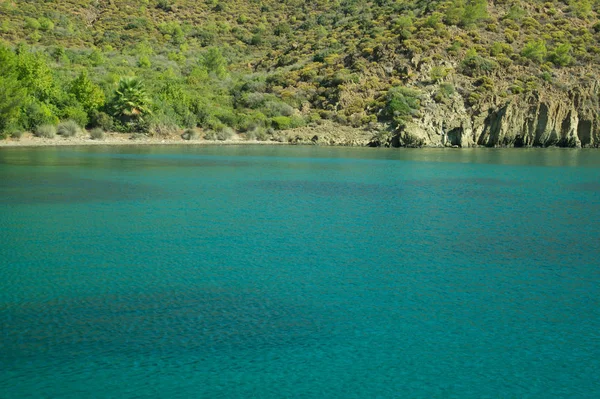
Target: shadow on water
154	322
590	186
55	187
326	188
462	187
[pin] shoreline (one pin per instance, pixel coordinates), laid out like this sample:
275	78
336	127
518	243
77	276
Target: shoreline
123	139
322	136
73	142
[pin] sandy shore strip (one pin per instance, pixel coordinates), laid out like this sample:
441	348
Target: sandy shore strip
327	134
28	140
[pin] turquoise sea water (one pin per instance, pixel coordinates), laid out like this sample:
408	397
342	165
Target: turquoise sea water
299	272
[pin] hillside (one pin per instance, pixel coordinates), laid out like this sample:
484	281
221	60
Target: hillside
504	73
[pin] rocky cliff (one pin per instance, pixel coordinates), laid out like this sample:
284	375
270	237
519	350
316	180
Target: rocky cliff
563	119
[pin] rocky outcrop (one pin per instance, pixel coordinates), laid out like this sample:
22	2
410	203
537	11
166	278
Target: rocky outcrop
328	133
569	119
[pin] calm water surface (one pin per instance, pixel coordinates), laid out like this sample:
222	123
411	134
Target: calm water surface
299	272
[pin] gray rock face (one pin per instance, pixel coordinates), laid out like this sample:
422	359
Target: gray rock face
569	119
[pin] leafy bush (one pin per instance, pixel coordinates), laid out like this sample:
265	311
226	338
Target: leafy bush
445	91
581	8
285	122
535	51
466	13
561	55
16	134
257	133
45	24
278	108
37	114
214	62
474	64
45	131
222	134
163	128
97	134
68	128
402	104
190	134
75	113
102	120
138	136
438	73
164	5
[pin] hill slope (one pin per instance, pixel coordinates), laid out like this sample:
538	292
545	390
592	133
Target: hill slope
414	72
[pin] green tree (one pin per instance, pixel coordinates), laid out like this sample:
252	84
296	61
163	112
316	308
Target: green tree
87	93
12	97
12	94
214	62
131	101
34	74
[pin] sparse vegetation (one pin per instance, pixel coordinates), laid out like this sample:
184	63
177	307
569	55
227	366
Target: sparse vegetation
45	131
190	134
68	129
97	134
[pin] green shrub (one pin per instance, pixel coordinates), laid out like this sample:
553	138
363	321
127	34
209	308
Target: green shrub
515	13
278	108
16	134
102	120
466	13
474	64
281	122
500	49
223	134
214	61
250	121
535	51
97	134
546	76
144	62
402	103
438	73
445	91
75	113
45	131
560	55
46	24
164	5
68	128
190	134
581	8
162	129
257	133
32	23
37	114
